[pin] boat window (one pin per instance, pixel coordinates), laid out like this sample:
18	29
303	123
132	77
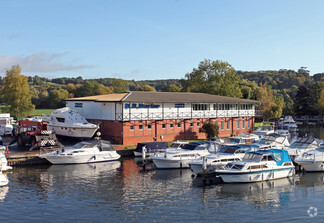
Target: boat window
60	119
267	158
78	146
229	165
237	167
252	157
287	164
230	150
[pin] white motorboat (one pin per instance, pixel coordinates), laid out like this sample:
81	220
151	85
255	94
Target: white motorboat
242	139
3	160
290	123
263	130
283	130
217	161
68	123
180	158
312	160
274	141
83	152
153	148
258	166
302	145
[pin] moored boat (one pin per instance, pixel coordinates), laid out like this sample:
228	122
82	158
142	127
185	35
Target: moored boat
302	145
258	166
83	152
312	160
180	158
70	124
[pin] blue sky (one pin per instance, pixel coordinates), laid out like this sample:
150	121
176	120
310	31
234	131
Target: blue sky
158	39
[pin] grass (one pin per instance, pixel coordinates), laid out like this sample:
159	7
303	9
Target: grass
39	112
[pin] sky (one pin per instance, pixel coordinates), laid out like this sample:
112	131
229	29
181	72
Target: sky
158	39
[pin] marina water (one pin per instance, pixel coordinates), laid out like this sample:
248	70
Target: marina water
119	192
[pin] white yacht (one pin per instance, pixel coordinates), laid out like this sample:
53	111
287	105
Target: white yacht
180	158
68	123
289	122
274	141
312	160
83	152
302	145
3	160
258	166
217	161
263	130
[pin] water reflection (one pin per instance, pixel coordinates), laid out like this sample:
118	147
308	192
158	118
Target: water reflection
3	193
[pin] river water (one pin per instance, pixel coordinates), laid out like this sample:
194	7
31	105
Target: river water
119	192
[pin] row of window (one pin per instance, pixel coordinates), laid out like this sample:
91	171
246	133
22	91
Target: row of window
206	107
228	125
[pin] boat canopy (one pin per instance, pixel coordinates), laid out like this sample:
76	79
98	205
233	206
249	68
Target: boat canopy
151	147
279	155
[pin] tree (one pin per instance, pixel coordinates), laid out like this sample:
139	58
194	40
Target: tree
211	129
264	95
147	88
171	88
57	97
119	85
16	94
213	77
302	102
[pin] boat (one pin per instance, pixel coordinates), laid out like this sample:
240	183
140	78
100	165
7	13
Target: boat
312	160
3	160
283	130
243	139
263	130
180	158
217	161
70	124
258	166
274	141
153	148
83	152
302	145
289	122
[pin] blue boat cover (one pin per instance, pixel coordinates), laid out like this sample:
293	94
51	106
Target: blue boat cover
279	155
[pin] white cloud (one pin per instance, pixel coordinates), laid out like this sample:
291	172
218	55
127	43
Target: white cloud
39	63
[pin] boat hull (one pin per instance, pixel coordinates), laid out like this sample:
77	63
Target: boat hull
73	132
84	158
312	166
257	176
161	163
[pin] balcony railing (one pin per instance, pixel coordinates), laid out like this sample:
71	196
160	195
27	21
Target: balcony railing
184	115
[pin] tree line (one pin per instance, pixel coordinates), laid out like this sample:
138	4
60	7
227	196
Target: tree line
280	92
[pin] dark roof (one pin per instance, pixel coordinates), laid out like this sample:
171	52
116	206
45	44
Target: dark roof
156	97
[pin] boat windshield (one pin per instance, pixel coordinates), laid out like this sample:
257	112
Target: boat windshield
252	157
229	150
79	145
235	140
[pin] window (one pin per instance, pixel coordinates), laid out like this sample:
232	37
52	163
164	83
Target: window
60	119
216	123
171	125
140	127
222	125
198	124
163	126
200	107
179	125
149	126
228	125
248	124
131	128
238	124
243	124
191	124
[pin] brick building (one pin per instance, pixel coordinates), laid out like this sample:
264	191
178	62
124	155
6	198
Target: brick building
132	117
